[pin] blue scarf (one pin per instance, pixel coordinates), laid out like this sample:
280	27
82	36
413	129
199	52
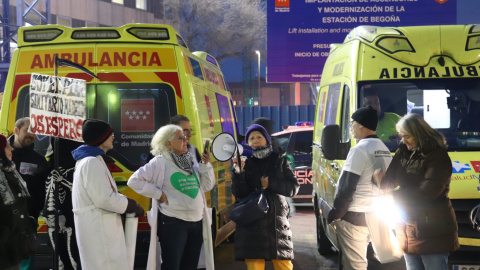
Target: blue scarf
86	151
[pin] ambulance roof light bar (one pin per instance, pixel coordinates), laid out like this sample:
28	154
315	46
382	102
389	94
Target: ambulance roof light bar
395	44
95	34
41	35
370	33
473	42
475	29
304	124
147	33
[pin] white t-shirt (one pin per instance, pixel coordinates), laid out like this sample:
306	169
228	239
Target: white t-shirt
363	159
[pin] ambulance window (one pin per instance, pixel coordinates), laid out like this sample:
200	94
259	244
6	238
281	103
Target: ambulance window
135	112
197	69
332	104
212	60
451	106
225	115
235	118
283	140
346	114
303	143
430	104
181	42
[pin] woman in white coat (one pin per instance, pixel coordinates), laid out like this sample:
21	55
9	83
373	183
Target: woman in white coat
97	205
177	188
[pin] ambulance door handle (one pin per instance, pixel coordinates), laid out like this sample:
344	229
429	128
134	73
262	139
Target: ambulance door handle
334	166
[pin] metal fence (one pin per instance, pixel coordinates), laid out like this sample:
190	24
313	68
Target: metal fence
280	115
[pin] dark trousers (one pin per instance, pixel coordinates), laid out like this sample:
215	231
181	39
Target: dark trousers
181	242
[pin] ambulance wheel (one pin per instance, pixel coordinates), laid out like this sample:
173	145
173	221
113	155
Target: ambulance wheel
324	246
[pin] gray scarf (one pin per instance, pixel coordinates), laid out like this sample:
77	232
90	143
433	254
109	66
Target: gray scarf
184	162
262	152
5	191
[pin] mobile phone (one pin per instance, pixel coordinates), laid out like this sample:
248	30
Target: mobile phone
207	144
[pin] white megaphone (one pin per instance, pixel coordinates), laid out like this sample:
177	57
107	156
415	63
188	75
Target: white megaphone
224	147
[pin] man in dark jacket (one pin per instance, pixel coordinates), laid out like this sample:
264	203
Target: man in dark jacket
33	168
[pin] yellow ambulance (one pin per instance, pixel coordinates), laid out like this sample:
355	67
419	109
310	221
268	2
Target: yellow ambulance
146	74
429	70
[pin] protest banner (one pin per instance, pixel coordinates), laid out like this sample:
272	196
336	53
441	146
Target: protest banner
57	110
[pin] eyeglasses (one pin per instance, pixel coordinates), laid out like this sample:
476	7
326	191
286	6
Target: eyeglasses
187	131
183	138
351	124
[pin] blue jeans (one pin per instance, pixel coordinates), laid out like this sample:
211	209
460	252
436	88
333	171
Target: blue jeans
181	242
427	261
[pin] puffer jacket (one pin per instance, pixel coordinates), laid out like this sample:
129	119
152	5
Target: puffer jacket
270	237
15	223
429	225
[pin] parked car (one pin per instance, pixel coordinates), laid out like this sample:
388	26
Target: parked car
296	141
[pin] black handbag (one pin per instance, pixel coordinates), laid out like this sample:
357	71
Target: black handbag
28	245
249	209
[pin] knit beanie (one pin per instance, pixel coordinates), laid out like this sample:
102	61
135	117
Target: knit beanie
95	132
264	122
367	117
3	142
259	128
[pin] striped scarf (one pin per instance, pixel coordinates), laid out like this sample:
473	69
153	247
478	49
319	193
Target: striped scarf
184	162
262	152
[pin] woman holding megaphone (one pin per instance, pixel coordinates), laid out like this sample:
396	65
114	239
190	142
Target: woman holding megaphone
268	238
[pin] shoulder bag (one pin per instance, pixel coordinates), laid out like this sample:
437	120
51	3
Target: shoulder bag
249	209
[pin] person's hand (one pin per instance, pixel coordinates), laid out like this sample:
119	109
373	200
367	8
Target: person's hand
264	181
206	156
235	165
378	175
333	216
139	212
163	199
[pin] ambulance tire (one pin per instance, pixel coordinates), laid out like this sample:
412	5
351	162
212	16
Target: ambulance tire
324	246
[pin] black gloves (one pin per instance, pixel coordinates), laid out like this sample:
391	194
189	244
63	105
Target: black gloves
139	212
134	207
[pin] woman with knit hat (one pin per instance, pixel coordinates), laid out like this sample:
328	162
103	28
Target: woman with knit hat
269	238
15	223
97	204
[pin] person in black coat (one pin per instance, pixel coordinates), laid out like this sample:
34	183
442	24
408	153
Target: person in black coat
269	238
33	169
17	228
32	166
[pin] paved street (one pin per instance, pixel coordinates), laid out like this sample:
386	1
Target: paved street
304	241
305	249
